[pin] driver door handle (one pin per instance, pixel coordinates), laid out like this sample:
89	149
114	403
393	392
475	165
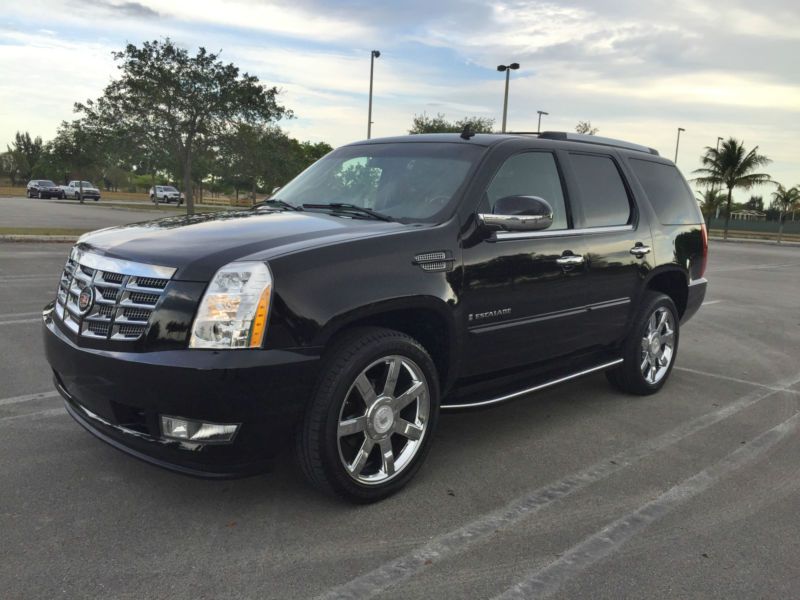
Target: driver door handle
570	260
639	250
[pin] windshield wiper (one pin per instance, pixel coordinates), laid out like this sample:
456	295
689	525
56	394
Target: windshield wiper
276	202
343	206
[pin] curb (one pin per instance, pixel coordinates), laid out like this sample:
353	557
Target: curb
735	240
39	238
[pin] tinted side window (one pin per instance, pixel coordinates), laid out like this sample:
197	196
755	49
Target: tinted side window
667	191
530	174
603	196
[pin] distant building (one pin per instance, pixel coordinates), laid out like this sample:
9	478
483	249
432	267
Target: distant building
748	215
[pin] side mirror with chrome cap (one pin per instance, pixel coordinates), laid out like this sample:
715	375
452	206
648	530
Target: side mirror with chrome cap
519	213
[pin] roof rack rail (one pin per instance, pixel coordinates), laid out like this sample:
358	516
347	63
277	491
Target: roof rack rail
594	139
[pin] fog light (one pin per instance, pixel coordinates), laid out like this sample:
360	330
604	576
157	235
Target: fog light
178	428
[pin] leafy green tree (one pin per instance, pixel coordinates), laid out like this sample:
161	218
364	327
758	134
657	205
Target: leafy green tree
8	166
179	102
586	128
311	153
732	166
755	203
25	152
786	201
76	149
710	202
439	124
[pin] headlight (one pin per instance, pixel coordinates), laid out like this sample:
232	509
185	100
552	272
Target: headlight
233	312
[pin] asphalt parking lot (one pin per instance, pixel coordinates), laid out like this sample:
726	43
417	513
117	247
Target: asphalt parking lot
575	492
71	214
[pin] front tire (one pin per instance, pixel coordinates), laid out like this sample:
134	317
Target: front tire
650	349
371	421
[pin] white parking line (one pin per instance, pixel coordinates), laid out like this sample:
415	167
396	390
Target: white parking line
709	302
374	582
776	388
24	277
755	267
545	581
18	321
49	412
25	314
28	398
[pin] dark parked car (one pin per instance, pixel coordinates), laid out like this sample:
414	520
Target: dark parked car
392	279
42	188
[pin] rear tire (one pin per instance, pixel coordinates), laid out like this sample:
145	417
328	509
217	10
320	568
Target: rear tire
650	349
372	418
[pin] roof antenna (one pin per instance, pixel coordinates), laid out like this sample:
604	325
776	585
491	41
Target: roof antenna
467	133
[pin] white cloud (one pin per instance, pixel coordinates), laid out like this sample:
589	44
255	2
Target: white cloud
636	69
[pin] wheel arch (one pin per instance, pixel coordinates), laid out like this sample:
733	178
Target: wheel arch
672	281
427	319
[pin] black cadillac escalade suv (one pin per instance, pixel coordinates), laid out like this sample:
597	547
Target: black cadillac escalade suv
392	279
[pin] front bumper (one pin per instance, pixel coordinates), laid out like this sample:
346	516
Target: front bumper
119	397
695	297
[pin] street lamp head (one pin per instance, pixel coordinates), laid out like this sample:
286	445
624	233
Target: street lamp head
541	112
501	68
376	53
681	129
514	66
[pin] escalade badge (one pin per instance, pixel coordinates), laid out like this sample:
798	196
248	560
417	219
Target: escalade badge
500	312
85	300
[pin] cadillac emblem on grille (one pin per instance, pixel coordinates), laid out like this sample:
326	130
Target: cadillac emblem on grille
85	299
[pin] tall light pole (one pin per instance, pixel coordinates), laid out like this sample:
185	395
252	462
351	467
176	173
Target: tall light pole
373	55
507	69
677	143
539	126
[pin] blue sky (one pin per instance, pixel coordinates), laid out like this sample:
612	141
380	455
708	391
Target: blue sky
637	70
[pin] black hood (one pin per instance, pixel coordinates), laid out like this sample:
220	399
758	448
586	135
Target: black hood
198	245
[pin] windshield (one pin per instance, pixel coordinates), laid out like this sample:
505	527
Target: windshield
47	182
169	188
407	181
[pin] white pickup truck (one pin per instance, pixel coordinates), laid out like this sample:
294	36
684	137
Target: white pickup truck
75	190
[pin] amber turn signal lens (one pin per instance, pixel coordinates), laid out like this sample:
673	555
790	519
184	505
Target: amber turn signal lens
260	319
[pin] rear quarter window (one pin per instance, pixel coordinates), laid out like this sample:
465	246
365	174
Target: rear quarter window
668	192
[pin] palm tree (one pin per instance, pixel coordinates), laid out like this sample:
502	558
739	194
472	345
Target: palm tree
710	201
785	200
732	166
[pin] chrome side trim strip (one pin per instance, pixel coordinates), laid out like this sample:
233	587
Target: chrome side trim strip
117	265
484	327
521	235
535	388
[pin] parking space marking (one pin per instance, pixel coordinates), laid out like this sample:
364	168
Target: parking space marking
27	276
777	388
374	582
710	302
28	398
545	581
18	321
25	314
754	267
49	412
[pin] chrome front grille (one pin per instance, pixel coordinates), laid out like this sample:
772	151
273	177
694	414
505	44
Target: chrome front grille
123	295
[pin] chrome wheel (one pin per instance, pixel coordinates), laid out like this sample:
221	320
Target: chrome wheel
383	420
658	345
